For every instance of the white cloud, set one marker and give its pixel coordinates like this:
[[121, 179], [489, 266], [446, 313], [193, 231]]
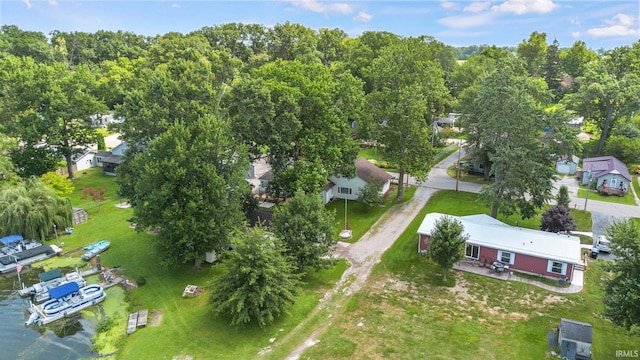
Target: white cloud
[[28, 3], [174, 5], [467, 21], [53, 2], [477, 6], [621, 19], [363, 16], [449, 5], [575, 34], [619, 25], [520, 7], [320, 7]]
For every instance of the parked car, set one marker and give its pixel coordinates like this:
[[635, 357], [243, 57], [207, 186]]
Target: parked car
[[602, 244]]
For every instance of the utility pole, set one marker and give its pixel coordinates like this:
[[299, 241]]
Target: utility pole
[[586, 198], [458, 164]]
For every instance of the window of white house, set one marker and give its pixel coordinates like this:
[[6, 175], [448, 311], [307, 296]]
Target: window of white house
[[472, 251], [506, 257], [344, 190], [557, 267]]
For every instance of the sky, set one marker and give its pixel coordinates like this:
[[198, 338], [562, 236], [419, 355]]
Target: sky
[[599, 23]]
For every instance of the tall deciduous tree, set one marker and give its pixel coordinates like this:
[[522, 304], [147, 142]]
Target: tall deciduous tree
[[575, 59], [607, 92], [408, 89], [505, 122], [260, 283], [49, 103], [190, 184], [297, 114], [534, 53], [446, 246], [622, 286], [305, 225]]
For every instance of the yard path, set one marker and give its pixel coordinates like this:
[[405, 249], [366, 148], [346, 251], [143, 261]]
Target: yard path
[[365, 253]]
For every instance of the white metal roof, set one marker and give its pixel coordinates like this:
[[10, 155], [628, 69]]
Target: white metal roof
[[498, 235]]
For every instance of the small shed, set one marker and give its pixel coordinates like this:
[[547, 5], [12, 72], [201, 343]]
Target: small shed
[[574, 339], [80, 215], [567, 165]]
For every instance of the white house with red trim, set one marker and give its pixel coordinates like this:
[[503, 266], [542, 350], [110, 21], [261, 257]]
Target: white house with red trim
[[340, 187], [526, 250]]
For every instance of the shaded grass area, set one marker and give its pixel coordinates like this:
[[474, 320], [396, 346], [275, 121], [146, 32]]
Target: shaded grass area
[[468, 177], [185, 326], [405, 312], [361, 217], [628, 199]]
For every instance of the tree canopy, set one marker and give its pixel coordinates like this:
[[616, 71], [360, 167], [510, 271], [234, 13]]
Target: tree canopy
[[259, 284], [306, 228], [190, 185], [622, 285], [446, 246]]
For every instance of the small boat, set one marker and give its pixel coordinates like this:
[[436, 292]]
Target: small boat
[[16, 250], [48, 280], [66, 300], [95, 249]]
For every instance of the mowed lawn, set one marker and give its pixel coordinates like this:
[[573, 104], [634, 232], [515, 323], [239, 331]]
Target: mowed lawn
[[406, 312], [179, 326]]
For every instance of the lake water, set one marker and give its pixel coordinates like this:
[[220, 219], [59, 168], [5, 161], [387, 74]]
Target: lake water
[[63, 339]]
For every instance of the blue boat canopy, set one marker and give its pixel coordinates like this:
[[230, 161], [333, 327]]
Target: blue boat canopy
[[11, 239], [64, 290], [50, 275]]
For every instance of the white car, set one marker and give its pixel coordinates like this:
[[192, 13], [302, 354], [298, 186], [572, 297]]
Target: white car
[[603, 244]]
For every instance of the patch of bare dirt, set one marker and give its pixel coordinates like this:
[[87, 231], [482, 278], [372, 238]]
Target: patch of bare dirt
[[155, 317]]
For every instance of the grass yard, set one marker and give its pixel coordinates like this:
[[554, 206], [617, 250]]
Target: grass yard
[[360, 217], [406, 312], [178, 326], [594, 195]]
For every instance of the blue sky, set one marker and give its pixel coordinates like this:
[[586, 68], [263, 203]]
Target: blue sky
[[600, 24]]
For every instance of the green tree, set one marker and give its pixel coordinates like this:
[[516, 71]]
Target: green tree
[[563, 196], [553, 70], [190, 184], [49, 102], [575, 59], [331, 45], [369, 195], [299, 116], [31, 208], [259, 284], [61, 185], [291, 41], [534, 53], [607, 93], [8, 175], [306, 228], [446, 246], [622, 287], [505, 135], [408, 89], [20, 43], [101, 144]]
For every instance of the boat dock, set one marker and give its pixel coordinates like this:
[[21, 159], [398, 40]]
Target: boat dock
[[136, 320]]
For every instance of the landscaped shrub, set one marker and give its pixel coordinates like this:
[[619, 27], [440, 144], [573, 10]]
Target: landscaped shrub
[[141, 280]]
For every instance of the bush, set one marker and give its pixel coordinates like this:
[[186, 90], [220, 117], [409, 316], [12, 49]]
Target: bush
[[141, 280], [105, 325]]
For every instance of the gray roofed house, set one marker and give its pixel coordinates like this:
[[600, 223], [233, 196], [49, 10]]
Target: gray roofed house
[[608, 172], [574, 339], [340, 187]]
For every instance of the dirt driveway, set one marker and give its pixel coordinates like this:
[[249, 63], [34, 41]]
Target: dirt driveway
[[365, 253]]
